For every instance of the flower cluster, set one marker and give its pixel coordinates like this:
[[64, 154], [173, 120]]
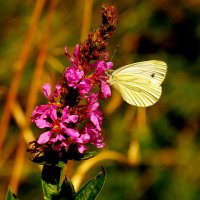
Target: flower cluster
[[72, 116], [62, 119]]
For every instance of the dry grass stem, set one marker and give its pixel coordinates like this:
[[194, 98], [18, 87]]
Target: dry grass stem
[[87, 165], [87, 15], [20, 65], [14, 183]]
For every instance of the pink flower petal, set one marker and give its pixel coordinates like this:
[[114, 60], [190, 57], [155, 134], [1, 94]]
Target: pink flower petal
[[95, 121], [72, 119], [84, 87], [53, 114], [95, 135], [85, 137], [57, 91], [102, 66], [44, 137], [81, 148], [76, 51], [47, 90], [65, 113], [72, 133], [73, 76], [105, 90], [42, 123], [67, 118], [68, 56], [100, 145], [58, 137]]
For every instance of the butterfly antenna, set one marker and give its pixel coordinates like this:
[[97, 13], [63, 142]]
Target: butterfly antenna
[[114, 52]]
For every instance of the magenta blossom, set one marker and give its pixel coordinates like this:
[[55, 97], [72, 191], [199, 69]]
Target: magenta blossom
[[94, 134], [73, 75], [105, 91], [66, 122], [100, 74], [91, 135], [83, 140], [72, 119], [84, 87], [93, 111], [42, 111], [101, 67], [57, 128]]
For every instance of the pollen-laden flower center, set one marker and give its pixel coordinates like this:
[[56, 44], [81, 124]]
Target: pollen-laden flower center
[[56, 127]]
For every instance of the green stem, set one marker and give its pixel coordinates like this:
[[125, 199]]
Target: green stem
[[52, 174]]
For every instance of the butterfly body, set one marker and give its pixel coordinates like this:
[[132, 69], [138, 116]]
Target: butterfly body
[[140, 83]]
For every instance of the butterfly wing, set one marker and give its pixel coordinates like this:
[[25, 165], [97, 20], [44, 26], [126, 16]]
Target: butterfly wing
[[139, 83]]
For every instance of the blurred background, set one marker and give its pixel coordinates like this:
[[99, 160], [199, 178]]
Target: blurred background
[[151, 153]]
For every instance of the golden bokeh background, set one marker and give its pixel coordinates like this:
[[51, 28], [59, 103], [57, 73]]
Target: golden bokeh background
[[151, 153]]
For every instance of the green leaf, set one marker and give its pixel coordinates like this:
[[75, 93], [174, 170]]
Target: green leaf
[[10, 195], [89, 155], [92, 188], [66, 191], [49, 190], [61, 164], [53, 186]]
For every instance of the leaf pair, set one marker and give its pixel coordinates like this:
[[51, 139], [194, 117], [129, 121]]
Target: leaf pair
[[66, 191]]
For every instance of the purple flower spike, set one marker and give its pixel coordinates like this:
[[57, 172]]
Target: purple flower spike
[[72, 120]]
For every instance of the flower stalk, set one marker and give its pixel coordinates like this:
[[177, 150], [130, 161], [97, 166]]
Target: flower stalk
[[71, 120], [72, 117]]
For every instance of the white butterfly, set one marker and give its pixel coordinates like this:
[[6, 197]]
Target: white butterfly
[[140, 83]]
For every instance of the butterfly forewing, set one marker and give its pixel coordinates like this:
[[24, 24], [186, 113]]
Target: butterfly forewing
[[152, 70]]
